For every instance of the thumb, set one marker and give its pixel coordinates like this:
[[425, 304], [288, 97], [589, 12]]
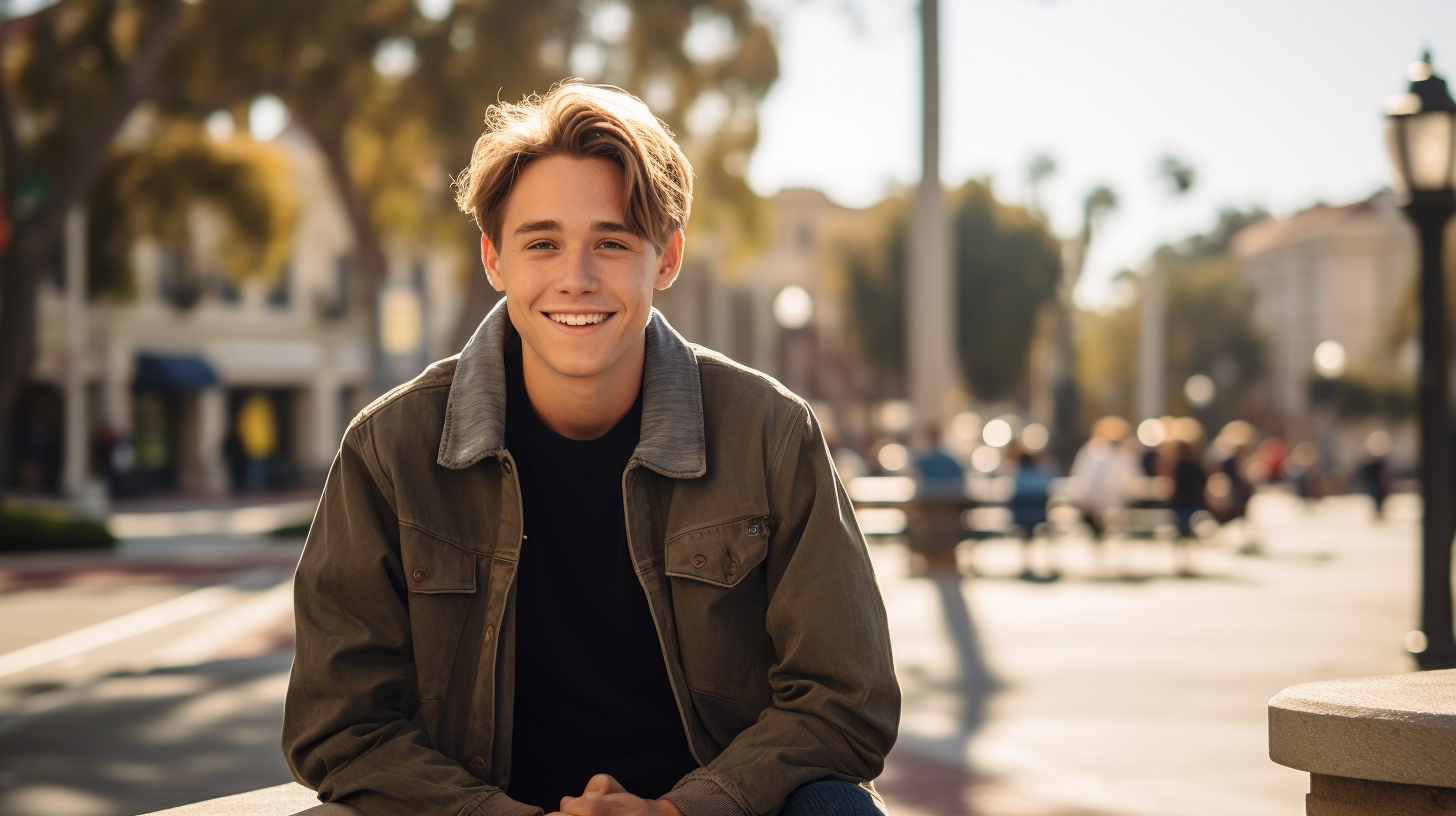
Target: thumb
[[601, 785]]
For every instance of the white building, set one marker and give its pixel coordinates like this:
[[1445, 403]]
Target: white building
[[199, 387], [1336, 273]]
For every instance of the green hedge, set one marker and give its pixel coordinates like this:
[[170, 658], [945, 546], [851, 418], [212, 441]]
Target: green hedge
[[30, 530]]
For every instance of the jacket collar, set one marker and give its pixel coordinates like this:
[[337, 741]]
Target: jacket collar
[[671, 441]]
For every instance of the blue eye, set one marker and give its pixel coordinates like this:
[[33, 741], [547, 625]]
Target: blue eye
[[541, 245], [614, 244]]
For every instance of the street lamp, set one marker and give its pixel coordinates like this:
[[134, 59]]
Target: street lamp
[[793, 309], [1421, 132]]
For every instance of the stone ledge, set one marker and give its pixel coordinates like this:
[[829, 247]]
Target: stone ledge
[[281, 800], [1396, 728]]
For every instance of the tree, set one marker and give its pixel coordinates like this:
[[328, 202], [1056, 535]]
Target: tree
[[395, 99], [82, 67], [155, 186], [392, 97], [1006, 267]]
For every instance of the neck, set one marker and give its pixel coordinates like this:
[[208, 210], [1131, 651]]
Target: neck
[[583, 407]]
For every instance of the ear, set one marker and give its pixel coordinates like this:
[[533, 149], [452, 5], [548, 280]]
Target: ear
[[490, 259], [669, 263]]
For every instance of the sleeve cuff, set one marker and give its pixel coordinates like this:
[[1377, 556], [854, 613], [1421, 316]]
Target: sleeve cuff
[[702, 797]]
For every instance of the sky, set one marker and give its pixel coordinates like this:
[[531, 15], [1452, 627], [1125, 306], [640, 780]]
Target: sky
[[1275, 103]]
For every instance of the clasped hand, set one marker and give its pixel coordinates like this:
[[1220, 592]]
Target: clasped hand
[[605, 796]]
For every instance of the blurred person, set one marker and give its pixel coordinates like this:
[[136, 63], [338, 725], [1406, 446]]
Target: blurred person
[[1190, 484], [1103, 474], [1302, 466], [1374, 473], [1272, 453], [1229, 487], [1028, 506], [540, 575], [1232, 488], [939, 474]]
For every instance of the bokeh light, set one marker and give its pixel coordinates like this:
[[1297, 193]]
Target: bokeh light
[[997, 433]]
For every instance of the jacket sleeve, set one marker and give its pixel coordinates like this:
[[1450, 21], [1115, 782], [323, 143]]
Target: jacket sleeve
[[836, 703], [348, 729]]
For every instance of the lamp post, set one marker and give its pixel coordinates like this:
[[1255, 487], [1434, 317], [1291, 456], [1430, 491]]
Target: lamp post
[[1421, 132], [793, 309]]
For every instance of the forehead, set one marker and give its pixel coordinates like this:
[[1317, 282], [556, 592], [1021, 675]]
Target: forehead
[[566, 189]]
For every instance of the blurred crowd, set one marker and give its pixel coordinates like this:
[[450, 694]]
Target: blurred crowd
[[1165, 478]]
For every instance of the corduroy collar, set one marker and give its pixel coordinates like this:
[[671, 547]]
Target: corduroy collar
[[671, 440]]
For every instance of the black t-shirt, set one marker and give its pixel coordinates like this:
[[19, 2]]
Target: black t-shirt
[[592, 694]]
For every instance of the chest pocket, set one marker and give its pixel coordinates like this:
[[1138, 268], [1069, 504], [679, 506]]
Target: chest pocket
[[719, 598], [433, 565]]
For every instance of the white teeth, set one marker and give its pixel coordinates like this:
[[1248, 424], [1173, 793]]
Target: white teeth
[[577, 319]]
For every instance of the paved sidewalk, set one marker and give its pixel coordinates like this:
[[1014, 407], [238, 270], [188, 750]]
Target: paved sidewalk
[[1118, 690], [1123, 690]]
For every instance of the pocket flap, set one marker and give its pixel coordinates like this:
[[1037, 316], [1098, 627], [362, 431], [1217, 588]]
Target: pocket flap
[[433, 565], [721, 554]]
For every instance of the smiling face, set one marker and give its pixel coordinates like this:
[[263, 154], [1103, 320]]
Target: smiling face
[[578, 283]]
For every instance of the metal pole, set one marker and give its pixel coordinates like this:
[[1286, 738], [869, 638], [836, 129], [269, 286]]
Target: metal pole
[[1430, 212]]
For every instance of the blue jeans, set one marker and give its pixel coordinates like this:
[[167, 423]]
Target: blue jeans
[[829, 797]]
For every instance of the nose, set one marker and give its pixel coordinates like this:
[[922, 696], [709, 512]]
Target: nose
[[579, 275]]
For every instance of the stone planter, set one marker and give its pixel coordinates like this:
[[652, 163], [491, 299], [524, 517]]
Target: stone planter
[[1374, 745]]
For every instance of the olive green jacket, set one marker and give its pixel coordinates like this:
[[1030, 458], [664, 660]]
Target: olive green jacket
[[744, 540]]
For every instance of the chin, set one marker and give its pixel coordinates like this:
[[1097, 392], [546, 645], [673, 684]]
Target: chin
[[578, 365]]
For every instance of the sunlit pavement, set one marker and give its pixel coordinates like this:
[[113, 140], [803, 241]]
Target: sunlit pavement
[[1118, 689], [1122, 689]]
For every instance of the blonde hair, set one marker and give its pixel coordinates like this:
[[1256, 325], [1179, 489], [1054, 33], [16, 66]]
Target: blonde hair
[[582, 121]]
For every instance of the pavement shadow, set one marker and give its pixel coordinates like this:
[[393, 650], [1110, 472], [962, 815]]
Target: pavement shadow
[[975, 681], [930, 774], [138, 742]]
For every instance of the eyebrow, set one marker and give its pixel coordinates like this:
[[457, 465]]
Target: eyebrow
[[612, 226], [551, 225], [538, 226]]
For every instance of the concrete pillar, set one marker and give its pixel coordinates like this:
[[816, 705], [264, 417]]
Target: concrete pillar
[[75, 470], [1152, 345], [118, 366], [211, 434], [930, 296], [326, 407]]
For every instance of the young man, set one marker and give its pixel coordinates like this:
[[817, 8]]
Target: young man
[[586, 567]]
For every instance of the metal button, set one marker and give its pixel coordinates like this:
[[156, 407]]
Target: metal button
[[419, 575], [699, 561], [506, 466], [489, 632], [477, 764], [753, 529], [732, 567]]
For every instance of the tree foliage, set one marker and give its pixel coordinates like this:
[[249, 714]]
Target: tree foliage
[[873, 268], [157, 188], [1006, 265], [393, 98]]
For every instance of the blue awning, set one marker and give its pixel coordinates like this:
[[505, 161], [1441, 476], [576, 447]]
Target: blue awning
[[173, 372]]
